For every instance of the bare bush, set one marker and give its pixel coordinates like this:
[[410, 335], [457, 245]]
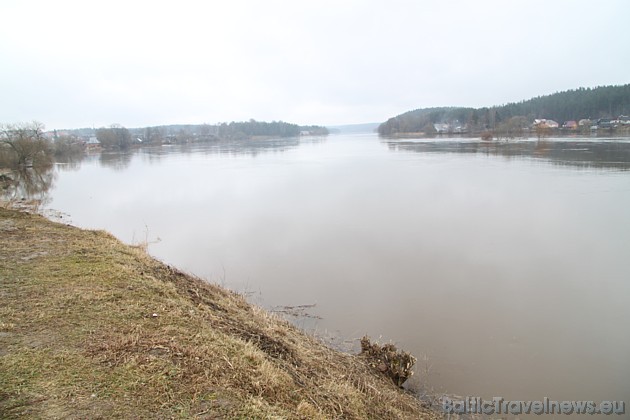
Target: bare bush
[[24, 145], [393, 363]]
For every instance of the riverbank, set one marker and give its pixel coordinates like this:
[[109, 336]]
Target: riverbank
[[93, 328]]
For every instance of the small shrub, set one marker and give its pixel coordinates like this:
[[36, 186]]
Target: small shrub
[[486, 135], [387, 359]]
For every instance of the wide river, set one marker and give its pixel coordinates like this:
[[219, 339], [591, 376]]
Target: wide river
[[504, 267]]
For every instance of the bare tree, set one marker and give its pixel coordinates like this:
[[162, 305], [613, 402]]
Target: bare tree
[[512, 128], [24, 145], [116, 136]]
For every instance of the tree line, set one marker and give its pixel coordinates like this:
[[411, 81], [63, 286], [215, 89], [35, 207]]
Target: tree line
[[28, 145], [120, 137], [583, 103]]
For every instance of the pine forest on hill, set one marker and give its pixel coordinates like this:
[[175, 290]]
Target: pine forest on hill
[[605, 107]]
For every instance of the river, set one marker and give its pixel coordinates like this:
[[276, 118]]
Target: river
[[504, 267]]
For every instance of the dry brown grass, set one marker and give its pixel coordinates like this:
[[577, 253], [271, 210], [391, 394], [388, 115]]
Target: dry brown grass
[[93, 328]]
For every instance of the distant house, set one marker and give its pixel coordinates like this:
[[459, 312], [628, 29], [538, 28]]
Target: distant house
[[604, 123], [442, 128], [585, 122], [460, 130], [570, 125], [546, 123], [92, 143], [624, 119]]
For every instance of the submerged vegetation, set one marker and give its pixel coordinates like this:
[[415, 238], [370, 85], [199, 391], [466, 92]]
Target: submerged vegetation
[[28, 144], [24, 145], [93, 328], [26, 162]]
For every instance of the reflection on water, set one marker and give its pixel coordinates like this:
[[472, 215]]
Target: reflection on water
[[236, 147], [120, 160], [33, 183], [115, 161], [510, 275], [27, 187], [586, 153]]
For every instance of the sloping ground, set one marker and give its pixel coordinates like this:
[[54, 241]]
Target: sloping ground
[[93, 328]]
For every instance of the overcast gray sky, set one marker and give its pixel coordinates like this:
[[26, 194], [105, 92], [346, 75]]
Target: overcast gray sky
[[73, 64]]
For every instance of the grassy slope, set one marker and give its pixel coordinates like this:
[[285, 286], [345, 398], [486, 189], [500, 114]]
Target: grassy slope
[[93, 328]]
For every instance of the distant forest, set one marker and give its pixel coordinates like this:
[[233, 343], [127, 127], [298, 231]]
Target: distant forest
[[607, 102], [116, 136]]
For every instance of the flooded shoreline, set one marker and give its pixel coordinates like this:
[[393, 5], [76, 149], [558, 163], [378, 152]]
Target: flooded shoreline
[[502, 267]]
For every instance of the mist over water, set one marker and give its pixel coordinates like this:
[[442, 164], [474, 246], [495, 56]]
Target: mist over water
[[507, 264]]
